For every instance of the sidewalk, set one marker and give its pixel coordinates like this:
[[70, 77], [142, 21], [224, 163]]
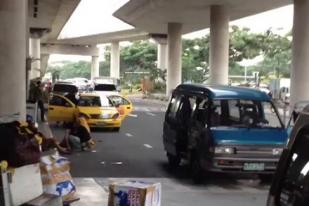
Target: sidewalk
[[94, 191]]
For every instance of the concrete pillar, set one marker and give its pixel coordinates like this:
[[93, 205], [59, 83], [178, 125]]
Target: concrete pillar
[[44, 63], [115, 60], [35, 53], [300, 50], [95, 67], [174, 57], [219, 45], [162, 56], [13, 17]]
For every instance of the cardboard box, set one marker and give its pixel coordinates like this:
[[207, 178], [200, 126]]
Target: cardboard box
[[134, 193], [26, 184]]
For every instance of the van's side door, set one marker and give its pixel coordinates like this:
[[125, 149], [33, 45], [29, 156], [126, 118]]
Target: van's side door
[[171, 125]]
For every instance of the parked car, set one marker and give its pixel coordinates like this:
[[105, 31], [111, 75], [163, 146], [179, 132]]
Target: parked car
[[106, 89], [223, 129], [82, 84], [99, 110], [108, 80], [290, 186], [64, 88]]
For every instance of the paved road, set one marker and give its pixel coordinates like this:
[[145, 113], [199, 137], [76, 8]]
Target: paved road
[[137, 152]]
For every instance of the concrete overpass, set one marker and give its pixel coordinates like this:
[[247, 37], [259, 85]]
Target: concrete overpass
[[86, 45], [46, 18], [169, 19]]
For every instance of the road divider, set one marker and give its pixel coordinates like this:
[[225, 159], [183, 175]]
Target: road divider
[[117, 163], [148, 146], [151, 114]]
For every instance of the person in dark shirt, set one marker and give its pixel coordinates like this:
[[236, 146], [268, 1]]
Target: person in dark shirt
[[73, 97], [39, 98]]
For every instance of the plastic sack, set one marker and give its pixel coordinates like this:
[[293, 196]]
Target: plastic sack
[[18, 145], [56, 177]]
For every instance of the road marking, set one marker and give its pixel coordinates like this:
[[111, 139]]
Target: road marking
[[94, 151], [132, 115], [147, 109], [151, 114], [148, 146], [116, 163], [103, 163], [129, 135]]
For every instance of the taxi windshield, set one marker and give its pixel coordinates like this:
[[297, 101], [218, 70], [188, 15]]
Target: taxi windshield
[[94, 101], [244, 113]]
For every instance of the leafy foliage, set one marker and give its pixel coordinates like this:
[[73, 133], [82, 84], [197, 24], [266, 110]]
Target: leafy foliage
[[139, 59]]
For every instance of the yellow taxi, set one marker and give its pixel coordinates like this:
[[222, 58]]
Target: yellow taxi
[[123, 105], [99, 110]]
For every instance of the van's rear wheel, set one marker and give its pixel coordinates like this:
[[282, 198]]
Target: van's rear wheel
[[173, 161], [116, 129], [197, 172], [266, 178]]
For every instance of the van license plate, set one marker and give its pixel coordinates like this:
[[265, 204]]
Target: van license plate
[[254, 166]]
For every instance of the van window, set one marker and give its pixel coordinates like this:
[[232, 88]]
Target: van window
[[295, 185], [234, 110], [244, 113], [174, 106], [270, 115], [216, 113], [200, 110]]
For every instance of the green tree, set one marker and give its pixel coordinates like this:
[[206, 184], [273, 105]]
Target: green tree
[[277, 55], [195, 57], [72, 69]]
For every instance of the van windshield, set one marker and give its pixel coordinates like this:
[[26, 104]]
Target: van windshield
[[244, 113]]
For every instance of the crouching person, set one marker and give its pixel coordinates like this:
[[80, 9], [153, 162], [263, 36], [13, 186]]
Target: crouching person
[[77, 136]]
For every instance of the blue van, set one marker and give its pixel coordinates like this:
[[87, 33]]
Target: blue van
[[223, 129]]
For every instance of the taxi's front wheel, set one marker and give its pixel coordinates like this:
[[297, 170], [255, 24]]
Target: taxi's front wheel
[[197, 172], [116, 129]]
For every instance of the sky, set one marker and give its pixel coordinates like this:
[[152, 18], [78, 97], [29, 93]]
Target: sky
[[95, 16]]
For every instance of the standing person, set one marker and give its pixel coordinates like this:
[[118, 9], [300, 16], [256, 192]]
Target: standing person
[[38, 97], [73, 97]]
